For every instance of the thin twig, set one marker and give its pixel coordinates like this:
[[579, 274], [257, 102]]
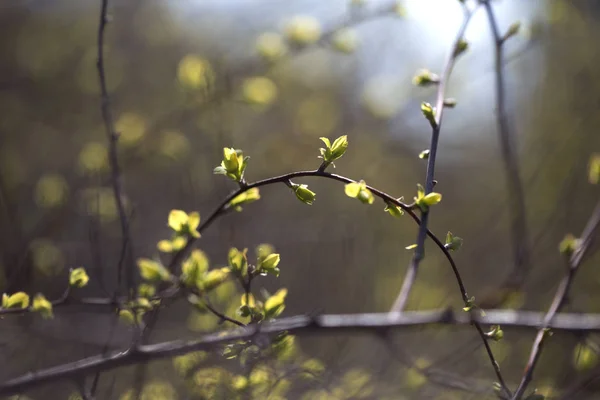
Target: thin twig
[[559, 299], [113, 137], [411, 273], [516, 193]]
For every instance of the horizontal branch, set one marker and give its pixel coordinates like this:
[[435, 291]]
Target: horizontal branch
[[324, 324]]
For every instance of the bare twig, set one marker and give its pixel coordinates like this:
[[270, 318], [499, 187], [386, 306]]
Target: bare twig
[[113, 137], [324, 324], [559, 299], [411, 273], [518, 224]]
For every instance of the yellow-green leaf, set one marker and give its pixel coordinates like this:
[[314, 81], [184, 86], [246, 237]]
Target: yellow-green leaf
[[214, 278], [275, 304], [249, 196], [15, 300], [152, 270], [43, 306], [304, 194], [177, 220], [271, 261], [78, 278]]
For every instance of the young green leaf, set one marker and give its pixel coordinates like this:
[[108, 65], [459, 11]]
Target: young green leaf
[[461, 47], [43, 306], [249, 196], [304, 194], [569, 245], [393, 209], [425, 78], [153, 271], [15, 300], [359, 190], [78, 278], [214, 278], [275, 304], [238, 261], [453, 243], [429, 114]]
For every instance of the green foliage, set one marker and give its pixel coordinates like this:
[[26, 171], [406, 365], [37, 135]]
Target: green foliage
[[334, 151], [275, 304], [461, 47], [42, 306], [424, 201], [78, 278], [303, 193], [213, 278], [15, 300], [429, 113], [238, 261], [153, 271], [359, 190], [453, 243], [249, 196], [184, 224], [193, 267], [393, 209], [568, 245], [233, 165], [425, 78], [496, 333]]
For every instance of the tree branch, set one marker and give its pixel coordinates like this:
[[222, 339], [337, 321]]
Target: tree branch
[[299, 325], [113, 137], [411, 273], [559, 299]]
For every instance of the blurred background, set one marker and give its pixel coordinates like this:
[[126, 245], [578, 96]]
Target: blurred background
[[189, 77]]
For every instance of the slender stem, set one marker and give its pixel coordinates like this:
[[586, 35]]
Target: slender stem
[[113, 138], [411, 273], [518, 223]]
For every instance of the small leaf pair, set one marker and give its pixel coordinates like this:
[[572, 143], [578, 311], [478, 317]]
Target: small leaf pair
[[424, 201], [233, 165], [359, 190], [334, 151]]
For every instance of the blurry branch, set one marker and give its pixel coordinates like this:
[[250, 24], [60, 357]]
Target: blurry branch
[[411, 273], [518, 220], [113, 137], [376, 323], [560, 297]]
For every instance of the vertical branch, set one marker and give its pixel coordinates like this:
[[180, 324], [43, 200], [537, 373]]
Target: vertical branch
[[559, 299], [419, 254], [518, 223], [113, 138]]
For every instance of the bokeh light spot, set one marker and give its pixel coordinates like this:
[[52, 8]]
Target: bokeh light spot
[[259, 90], [93, 157], [195, 72], [318, 115], [131, 128], [51, 190], [47, 257]]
